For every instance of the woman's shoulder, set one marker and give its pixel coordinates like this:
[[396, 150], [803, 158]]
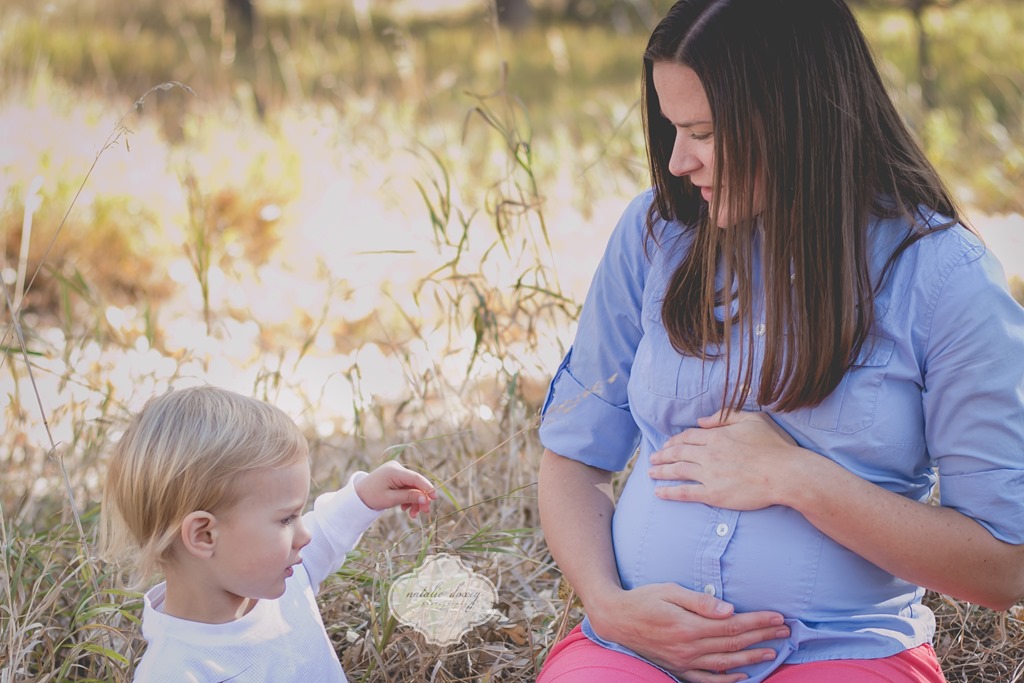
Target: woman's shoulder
[[937, 245], [641, 231], [946, 238], [958, 254], [633, 222], [945, 276]]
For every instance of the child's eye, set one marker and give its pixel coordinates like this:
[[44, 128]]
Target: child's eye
[[289, 519]]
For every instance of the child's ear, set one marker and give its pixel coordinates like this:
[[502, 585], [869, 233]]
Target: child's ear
[[199, 533]]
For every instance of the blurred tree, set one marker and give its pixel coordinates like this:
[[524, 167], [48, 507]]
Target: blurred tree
[[243, 42], [514, 14], [620, 12], [925, 68], [624, 15], [240, 19]]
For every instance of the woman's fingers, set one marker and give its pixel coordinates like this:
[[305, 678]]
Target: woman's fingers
[[695, 436], [709, 677], [683, 470], [689, 631]]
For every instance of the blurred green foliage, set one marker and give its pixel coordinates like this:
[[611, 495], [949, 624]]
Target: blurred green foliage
[[975, 132], [561, 69]]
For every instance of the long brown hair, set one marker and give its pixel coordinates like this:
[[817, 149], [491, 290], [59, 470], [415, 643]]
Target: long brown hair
[[800, 112]]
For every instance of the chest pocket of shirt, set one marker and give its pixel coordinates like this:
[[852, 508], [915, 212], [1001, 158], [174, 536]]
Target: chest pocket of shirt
[[664, 371], [851, 407]]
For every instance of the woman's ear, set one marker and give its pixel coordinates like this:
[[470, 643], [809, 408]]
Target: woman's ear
[[199, 533]]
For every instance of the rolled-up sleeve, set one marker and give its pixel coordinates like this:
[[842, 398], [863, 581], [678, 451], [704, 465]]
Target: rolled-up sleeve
[[586, 413], [974, 393]]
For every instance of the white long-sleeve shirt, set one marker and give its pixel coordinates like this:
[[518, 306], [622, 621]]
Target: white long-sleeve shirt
[[278, 640]]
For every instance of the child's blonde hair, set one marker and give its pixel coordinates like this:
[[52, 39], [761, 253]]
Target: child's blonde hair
[[183, 452]]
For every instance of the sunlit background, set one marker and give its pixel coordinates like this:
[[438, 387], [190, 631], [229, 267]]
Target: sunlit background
[[381, 215]]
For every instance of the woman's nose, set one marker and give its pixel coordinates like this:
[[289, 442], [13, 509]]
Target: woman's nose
[[683, 161]]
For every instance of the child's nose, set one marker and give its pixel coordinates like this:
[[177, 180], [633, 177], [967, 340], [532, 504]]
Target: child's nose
[[302, 536]]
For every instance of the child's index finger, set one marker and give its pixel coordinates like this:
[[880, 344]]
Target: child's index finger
[[415, 480]]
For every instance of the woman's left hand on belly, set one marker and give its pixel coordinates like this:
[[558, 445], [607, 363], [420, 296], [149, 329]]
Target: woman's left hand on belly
[[743, 461]]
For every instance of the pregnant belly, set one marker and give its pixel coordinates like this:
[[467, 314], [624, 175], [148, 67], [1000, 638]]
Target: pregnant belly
[[770, 559], [763, 559]]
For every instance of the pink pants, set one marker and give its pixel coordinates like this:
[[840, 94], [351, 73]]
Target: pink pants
[[577, 659]]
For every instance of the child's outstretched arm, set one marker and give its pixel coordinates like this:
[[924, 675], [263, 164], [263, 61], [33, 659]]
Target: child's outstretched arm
[[392, 484], [339, 518]]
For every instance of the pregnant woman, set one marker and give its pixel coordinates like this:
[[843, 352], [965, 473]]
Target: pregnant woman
[[796, 335]]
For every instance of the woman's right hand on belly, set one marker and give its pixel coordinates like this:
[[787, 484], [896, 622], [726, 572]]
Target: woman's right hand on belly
[[690, 634]]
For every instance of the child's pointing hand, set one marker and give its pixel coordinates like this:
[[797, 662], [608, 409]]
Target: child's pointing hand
[[391, 485]]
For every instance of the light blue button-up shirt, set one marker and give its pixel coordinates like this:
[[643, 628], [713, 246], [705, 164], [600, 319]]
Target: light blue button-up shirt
[[938, 387]]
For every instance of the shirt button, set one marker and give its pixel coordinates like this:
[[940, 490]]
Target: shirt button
[[722, 529], [759, 330], [709, 589]]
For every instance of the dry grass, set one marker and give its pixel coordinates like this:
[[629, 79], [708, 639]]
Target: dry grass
[[376, 254], [977, 645]]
